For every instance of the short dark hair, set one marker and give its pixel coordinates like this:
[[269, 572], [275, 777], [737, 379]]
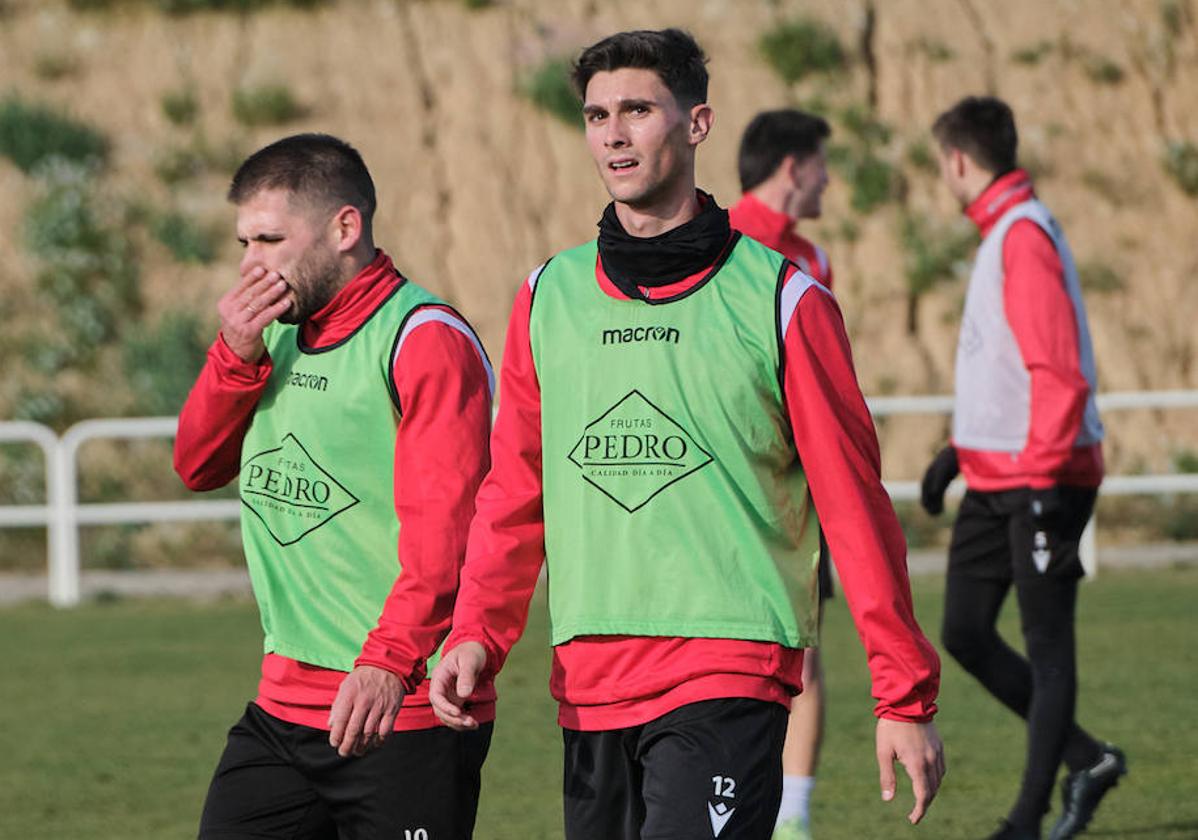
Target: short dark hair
[[771, 136], [672, 54], [317, 168], [982, 127]]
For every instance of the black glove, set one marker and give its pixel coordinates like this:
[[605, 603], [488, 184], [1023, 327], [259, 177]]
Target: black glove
[[939, 475]]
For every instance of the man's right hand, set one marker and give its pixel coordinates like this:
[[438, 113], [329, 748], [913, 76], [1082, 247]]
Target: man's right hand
[[453, 681], [939, 475], [258, 299]]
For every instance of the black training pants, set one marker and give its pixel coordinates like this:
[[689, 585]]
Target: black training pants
[[997, 543]]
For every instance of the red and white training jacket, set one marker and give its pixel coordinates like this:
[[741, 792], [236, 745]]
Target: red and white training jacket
[[444, 382], [757, 220], [1025, 414], [612, 682]]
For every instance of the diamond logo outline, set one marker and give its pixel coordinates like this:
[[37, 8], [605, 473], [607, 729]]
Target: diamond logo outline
[[708, 458], [242, 493]]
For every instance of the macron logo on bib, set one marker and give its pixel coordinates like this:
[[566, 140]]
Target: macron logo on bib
[[636, 335]]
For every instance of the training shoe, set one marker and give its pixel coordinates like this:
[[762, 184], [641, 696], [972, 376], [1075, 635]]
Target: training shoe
[[1006, 831], [794, 829], [1082, 791]]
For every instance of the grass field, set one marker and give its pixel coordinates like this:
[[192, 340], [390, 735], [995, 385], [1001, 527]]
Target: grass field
[[115, 714]]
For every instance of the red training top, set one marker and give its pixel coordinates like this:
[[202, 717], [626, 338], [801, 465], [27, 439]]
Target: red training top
[[1041, 316], [443, 380], [753, 217], [612, 682]]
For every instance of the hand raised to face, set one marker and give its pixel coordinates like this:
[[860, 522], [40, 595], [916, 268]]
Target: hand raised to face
[[259, 298]]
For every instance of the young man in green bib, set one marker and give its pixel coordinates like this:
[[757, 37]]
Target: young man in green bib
[[677, 403], [353, 407]]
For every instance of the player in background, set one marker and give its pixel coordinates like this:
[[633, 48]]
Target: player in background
[[1027, 436], [353, 407], [783, 175], [674, 395]]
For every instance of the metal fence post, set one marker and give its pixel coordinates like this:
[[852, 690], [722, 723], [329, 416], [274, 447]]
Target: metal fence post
[[17, 516], [64, 530], [1088, 548]]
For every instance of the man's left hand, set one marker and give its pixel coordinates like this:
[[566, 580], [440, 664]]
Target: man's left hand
[[918, 748], [939, 475], [364, 712]]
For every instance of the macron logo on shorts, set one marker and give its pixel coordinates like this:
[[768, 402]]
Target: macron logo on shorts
[[719, 814]]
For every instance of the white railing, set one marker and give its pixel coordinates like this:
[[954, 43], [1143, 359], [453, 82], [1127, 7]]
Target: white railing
[[19, 516], [63, 515], [64, 587], [1112, 485]]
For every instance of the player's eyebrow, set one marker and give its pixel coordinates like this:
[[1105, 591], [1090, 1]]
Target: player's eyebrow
[[261, 237], [630, 104], [623, 105]]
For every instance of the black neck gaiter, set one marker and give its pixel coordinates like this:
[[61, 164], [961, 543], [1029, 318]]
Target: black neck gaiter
[[632, 261]]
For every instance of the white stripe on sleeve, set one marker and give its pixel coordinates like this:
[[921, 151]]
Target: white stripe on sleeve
[[822, 257], [432, 315], [796, 286], [535, 276]]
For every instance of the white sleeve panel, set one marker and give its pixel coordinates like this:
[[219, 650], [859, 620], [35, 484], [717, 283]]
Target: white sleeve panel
[[796, 286], [535, 275], [821, 257], [433, 315]]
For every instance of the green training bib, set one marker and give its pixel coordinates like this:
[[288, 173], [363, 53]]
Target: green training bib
[[317, 488], [674, 501]]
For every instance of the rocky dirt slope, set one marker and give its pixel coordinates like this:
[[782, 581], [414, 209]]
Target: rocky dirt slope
[[477, 186]]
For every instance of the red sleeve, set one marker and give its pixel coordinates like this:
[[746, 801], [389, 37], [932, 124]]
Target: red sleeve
[[215, 417], [838, 447], [1042, 317], [507, 537], [443, 383]]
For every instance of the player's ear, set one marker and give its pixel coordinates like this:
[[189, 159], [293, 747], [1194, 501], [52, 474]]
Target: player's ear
[[791, 166], [960, 162], [347, 228], [702, 117]]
